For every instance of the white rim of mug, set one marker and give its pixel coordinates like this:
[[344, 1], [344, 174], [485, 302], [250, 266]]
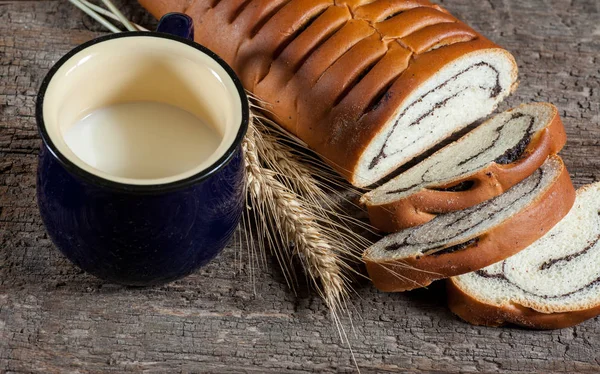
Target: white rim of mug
[[141, 188]]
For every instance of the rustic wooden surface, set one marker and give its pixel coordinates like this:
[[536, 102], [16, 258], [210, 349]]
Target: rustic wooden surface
[[55, 319]]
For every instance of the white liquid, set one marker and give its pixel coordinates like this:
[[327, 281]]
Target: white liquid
[[142, 140]]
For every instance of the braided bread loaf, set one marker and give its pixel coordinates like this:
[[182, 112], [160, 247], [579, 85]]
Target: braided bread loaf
[[367, 84]]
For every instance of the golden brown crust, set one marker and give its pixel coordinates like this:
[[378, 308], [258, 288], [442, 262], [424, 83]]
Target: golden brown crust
[[490, 182], [479, 313], [322, 65], [354, 134], [501, 242]]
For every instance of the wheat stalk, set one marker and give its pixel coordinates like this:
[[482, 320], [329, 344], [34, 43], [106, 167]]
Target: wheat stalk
[[294, 221]]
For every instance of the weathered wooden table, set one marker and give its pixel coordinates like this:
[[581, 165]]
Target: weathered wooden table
[[56, 319]]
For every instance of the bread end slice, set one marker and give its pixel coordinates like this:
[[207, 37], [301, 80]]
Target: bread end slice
[[553, 283], [479, 313]]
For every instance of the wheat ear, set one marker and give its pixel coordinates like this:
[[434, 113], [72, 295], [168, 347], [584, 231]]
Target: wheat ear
[[287, 220]]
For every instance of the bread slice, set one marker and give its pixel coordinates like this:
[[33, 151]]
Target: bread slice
[[482, 164], [553, 283], [467, 240], [367, 85]]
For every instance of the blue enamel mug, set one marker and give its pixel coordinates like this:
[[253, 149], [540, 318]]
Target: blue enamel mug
[[141, 175]]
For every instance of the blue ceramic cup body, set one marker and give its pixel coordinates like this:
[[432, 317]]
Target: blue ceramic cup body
[[141, 231]]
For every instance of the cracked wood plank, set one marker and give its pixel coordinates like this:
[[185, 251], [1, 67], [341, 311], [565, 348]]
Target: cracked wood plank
[[55, 319]]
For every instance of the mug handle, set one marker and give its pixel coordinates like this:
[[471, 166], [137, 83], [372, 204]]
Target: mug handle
[[177, 24]]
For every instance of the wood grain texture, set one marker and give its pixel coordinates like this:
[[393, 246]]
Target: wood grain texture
[[55, 319]]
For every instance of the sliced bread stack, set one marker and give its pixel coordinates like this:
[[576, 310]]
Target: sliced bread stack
[[475, 202], [497, 214]]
